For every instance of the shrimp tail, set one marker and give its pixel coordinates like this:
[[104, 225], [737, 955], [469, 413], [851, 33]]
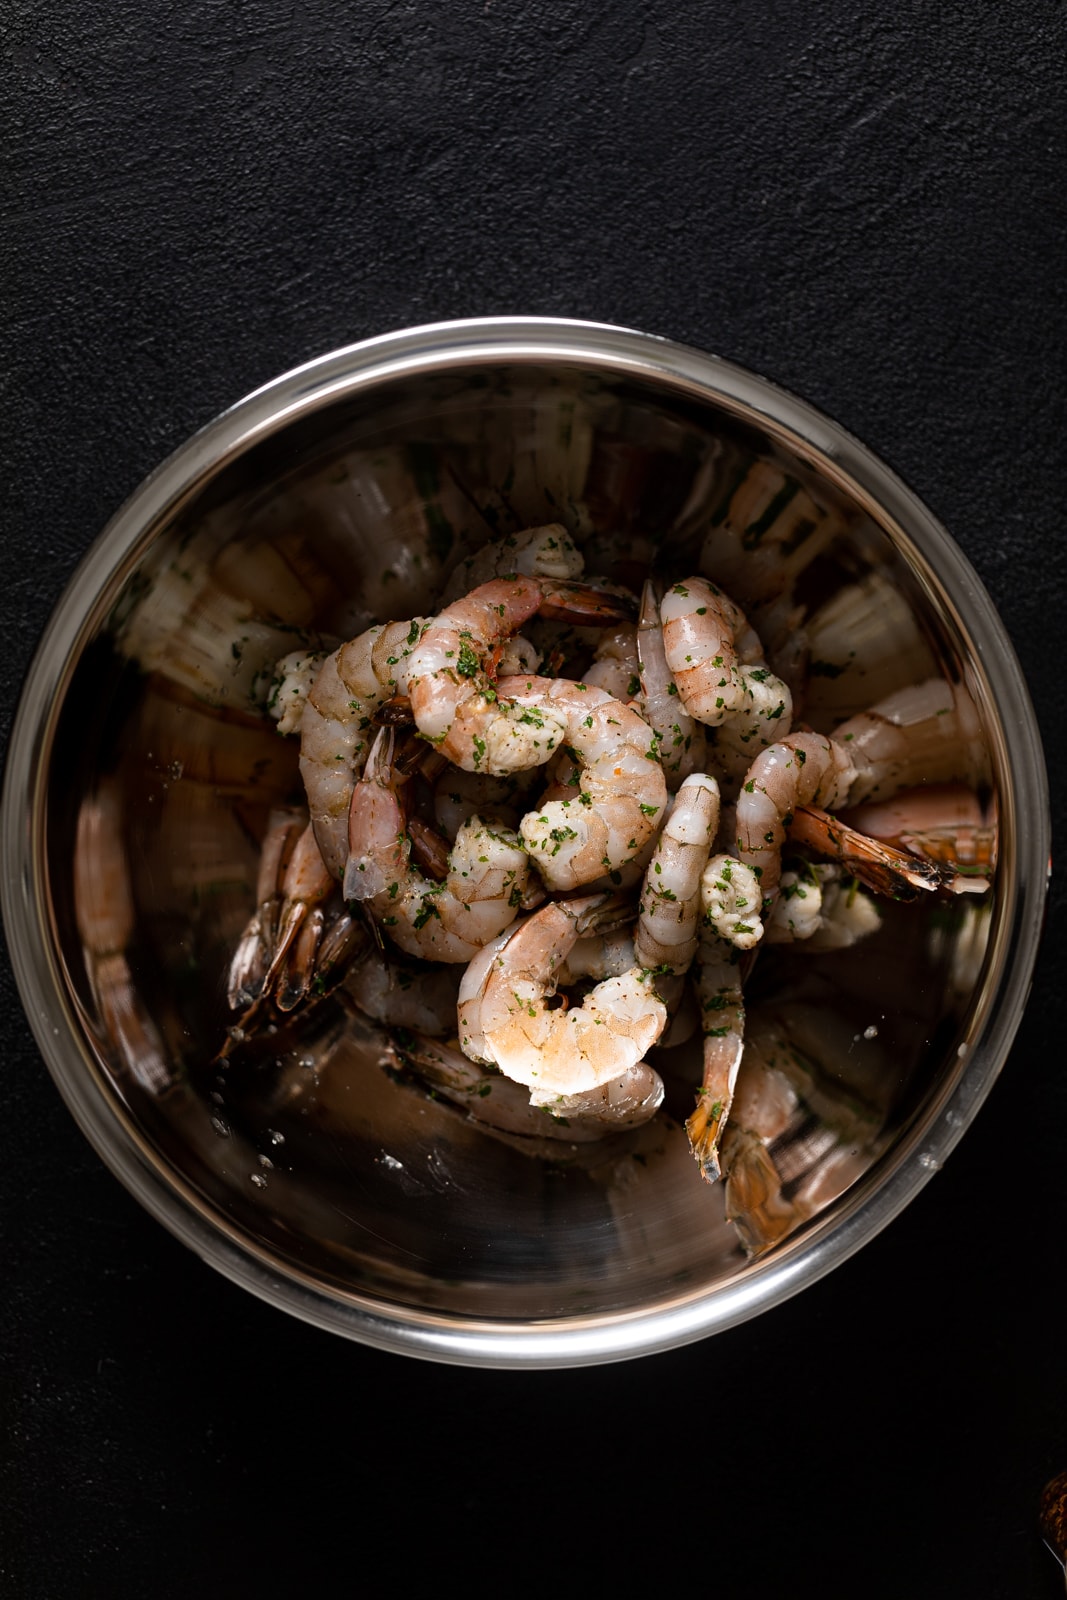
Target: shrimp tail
[[880, 866], [582, 605], [706, 1124]]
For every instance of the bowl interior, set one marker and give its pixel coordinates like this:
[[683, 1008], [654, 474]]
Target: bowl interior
[[312, 1148]]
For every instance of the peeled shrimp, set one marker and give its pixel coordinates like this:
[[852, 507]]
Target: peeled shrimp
[[622, 791], [482, 892], [336, 726], [293, 681], [682, 740], [717, 662], [615, 667], [730, 896], [929, 733], [801, 769], [665, 936], [455, 701], [505, 1018], [670, 907], [722, 1016]]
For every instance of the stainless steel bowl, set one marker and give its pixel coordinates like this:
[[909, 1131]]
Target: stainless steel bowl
[[314, 1173]]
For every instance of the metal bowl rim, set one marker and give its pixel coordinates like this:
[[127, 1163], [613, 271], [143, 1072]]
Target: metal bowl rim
[[102, 1116]]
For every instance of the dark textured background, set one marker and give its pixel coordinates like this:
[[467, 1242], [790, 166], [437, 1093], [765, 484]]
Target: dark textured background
[[865, 202]]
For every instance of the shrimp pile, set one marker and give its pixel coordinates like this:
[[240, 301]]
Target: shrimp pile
[[548, 874]]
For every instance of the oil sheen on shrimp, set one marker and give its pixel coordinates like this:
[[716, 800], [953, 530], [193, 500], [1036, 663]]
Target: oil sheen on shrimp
[[682, 740], [717, 664], [670, 907], [730, 896], [615, 667], [801, 769], [482, 892], [622, 791], [505, 1018]]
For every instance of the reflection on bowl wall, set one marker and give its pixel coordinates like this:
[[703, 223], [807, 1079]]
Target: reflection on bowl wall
[[311, 1164]]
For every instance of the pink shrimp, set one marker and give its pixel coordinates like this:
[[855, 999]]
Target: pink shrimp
[[454, 697]]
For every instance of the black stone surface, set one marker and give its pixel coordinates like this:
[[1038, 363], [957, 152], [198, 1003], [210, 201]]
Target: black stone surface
[[865, 202]]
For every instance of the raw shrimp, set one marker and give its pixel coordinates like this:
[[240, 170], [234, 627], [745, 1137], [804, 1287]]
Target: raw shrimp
[[730, 895], [248, 968], [483, 891], [615, 667], [457, 705], [670, 907], [886, 869], [505, 1018], [929, 733], [801, 769], [293, 681], [717, 662], [682, 740], [621, 788], [665, 937], [336, 727]]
